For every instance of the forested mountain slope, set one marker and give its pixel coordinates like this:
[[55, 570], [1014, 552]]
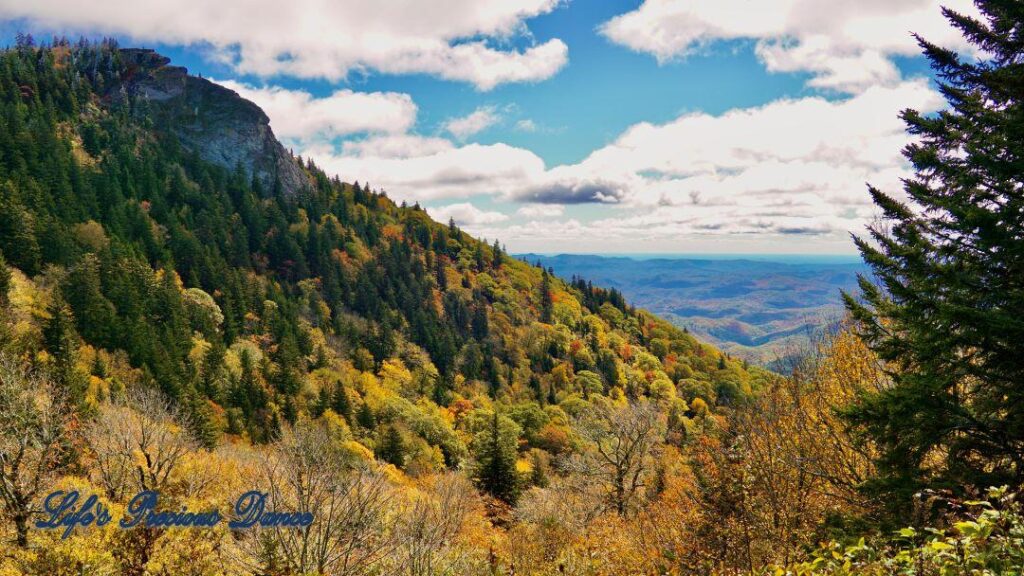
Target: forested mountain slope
[[158, 233], [189, 311]]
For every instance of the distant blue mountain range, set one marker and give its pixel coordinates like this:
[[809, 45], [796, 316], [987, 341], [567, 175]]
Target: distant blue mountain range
[[759, 307]]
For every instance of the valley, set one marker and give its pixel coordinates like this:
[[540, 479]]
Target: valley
[[763, 309]]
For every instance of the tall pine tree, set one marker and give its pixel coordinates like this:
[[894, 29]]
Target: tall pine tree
[[947, 313], [61, 343], [494, 449], [547, 301]]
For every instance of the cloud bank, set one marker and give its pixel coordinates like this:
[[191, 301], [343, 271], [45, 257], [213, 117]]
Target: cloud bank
[[790, 167], [297, 114], [325, 38], [845, 46]]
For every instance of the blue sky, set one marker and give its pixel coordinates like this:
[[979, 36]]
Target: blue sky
[[573, 126]]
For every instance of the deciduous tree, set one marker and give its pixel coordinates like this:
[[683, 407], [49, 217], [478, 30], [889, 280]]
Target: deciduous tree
[[35, 424]]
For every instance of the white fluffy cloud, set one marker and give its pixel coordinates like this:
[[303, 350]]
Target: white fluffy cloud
[[297, 114], [424, 169], [860, 133], [396, 146], [541, 210], [789, 167], [465, 214], [477, 121], [846, 46], [326, 38], [388, 155]]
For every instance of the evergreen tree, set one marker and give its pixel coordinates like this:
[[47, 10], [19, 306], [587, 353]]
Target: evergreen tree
[[322, 404], [340, 403], [442, 277], [61, 342], [547, 303], [291, 413], [950, 263], [381, 343], [95, 316], [392, 447], [365, 417], [496, 255], [609, 369], [17, 232], [247, 394], [479, 257], [479, 324], [494, 449], [202, 422], [442, 393], [210, 382]]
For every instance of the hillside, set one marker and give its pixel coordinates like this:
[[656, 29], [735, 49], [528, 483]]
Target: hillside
[[158, 235], [758, 310], [218, 360]]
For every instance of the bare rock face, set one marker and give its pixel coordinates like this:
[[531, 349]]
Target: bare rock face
[[217, 123]]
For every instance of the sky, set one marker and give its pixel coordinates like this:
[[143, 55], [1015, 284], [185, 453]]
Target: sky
[[587, 126]]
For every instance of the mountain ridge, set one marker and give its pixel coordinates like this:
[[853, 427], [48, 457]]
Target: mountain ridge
[[253, 301], [215, 121]]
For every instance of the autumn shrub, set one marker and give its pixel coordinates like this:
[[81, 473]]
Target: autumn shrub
[[987, 539]]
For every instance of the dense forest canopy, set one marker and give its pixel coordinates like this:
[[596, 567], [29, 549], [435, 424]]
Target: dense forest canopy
[[186, 266], [133, 264]]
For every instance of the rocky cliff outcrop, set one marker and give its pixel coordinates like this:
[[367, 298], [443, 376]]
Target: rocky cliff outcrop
[[221, 126]]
